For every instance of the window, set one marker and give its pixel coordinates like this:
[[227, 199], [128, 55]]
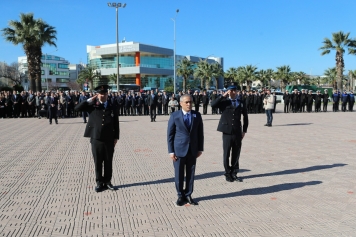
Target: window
[[62, 80], [62, 65]]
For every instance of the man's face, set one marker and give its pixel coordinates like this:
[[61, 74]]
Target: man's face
[[103, 97], [186, 103], [268, 92], [152, 92]]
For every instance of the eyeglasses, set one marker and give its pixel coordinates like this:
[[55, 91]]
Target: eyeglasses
[[188, 102]]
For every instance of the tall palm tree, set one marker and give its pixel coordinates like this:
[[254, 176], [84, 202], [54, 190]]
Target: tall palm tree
[[89, 74], [217, 73], [204, 71], [185, 70], [270, 74], [249, 74], [284, 74], [330, 78], [352, 76], [230, 76], [340, 41], [32, 34], [300, 78], [263, 76]]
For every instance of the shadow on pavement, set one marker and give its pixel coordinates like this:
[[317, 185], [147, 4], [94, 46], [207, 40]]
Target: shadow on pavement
[[293, 124], [260, 191], [294, 171], [168, 180]]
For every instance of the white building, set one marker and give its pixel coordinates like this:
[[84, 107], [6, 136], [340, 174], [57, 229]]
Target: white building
[[55, 72]]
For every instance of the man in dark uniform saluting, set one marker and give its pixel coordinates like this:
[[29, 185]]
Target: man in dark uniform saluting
[[232, 130], [103, 130]]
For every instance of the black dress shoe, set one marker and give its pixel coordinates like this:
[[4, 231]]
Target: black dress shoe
[[269, 125], [266, 124], [99, 188], [110, 186], [191, 201], [229, 178], [181, 201], [238, 179]]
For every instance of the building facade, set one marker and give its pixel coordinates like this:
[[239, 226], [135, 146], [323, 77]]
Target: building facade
[[140, 64], [55, 72]]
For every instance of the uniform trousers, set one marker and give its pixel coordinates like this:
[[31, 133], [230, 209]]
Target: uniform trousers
[[231, 144], [52, 113], [325, 106], [286, 107], [351, 106], [103, 152], [205, 108], [343, 106], [186, 164]]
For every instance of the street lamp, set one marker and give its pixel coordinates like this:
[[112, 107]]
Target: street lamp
[[174, 57], [117, 6]]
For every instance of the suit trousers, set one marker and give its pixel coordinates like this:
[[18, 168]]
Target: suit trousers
[[205, 108], [153, 112], [186, 164], [286, 107], [325, 106], [52, 113], [103, 152], [231, 144]]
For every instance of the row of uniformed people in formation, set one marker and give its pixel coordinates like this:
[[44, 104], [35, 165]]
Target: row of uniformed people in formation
[[302, 101], [28, 104]]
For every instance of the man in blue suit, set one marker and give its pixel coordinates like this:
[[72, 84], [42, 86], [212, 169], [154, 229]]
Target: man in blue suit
[[185, 138]]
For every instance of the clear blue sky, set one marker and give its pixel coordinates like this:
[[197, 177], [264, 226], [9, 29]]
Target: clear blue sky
[[265, 33]]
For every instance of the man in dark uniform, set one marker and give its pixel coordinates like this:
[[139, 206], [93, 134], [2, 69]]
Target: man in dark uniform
[[351, 101], [152, 104], [232, 131], [317, 106], [52, 110], [303, 101], [344, 101], [103, 130], [16, 103], [336, 99], [196, 101], [286, 99], [325, 100], [212, 98], [310, 99], [205, 101]]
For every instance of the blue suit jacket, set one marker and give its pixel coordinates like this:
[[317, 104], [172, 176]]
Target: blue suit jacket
[[179, 139]]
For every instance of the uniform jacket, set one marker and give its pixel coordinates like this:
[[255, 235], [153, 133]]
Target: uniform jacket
[[180, 139], [230, 120], [103, 123]]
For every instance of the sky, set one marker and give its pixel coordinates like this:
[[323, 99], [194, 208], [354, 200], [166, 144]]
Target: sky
[[264, 33]]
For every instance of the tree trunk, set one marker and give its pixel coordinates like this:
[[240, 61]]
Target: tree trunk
[[31, 66], [339, 68], [185, 84], [217, 83], [202, 83], [37, 69]]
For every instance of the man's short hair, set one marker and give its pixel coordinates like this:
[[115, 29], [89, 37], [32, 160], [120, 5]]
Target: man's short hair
[[183, 96]]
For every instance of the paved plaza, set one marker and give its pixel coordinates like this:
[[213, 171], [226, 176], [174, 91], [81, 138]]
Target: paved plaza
[[298, 180]]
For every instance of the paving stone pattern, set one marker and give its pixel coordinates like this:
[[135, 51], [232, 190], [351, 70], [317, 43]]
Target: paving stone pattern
[[299, 180]]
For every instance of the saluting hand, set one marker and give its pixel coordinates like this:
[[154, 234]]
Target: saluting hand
[[226, 93]]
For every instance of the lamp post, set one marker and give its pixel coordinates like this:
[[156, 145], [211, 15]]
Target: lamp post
[[117, 6], [174, 56]]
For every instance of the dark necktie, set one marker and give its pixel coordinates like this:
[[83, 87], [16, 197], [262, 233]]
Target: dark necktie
[[186, 120]]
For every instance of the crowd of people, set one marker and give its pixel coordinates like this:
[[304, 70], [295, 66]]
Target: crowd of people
[[38, 105]]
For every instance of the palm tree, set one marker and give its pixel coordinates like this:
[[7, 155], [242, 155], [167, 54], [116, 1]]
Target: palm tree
[[330, 78], [113, 78], [284, 74], [340, 41], [263, 76], [185, 70], [217, 72], [352, 76], [230, 76], [270, 74], [89, 74], [249, 74], [300, 78], [32, 34], [204, 71]]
